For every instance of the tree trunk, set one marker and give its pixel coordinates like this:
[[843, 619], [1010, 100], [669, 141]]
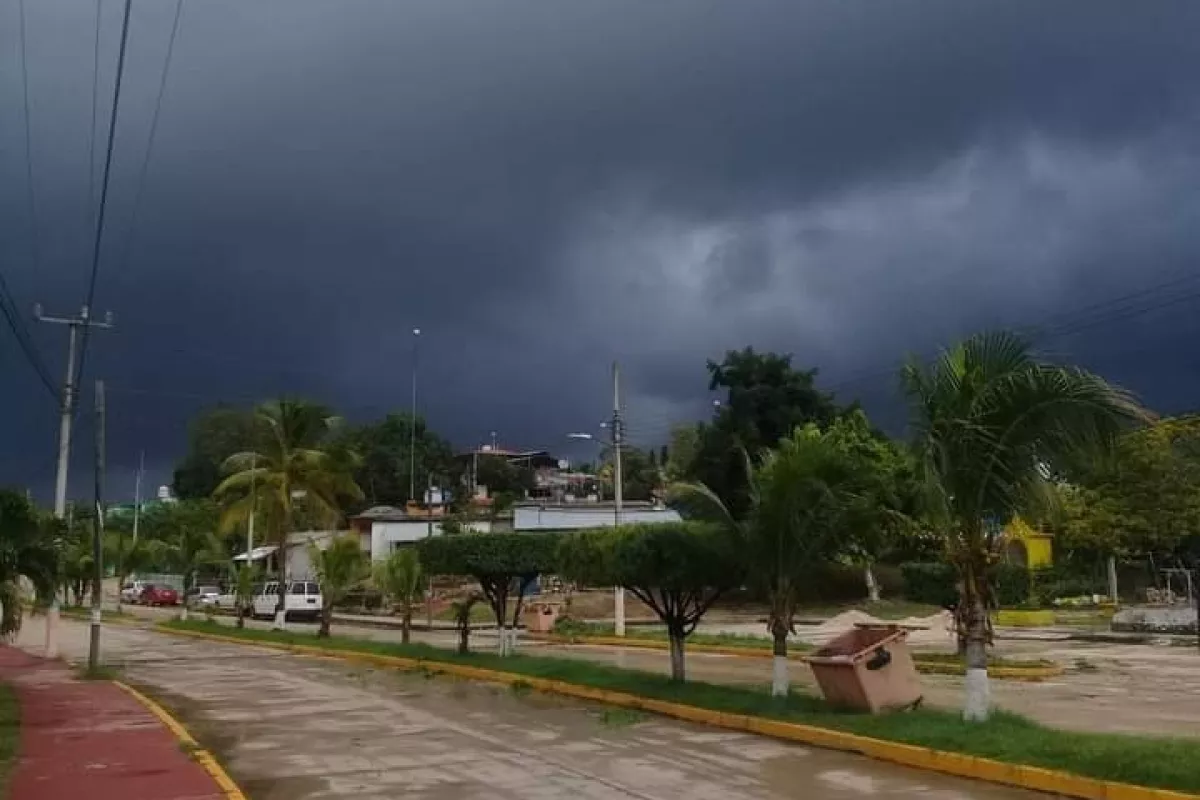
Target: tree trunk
[[280, 623], [326, 619], [241, 615], [872, 584], [678, 672], [978, 700], [1113, 594], [464, 640], [779, 664], [183, 612], [406, 625]]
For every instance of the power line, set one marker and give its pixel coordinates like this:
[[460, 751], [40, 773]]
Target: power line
[[21, 333], [32, 195], [144, 169], [92, 135], [108, 155]]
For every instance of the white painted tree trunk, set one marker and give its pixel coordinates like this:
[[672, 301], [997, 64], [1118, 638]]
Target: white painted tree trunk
[[678, 665], [50, 648], [280, 623], [978, 703], [872, 584], [183, 612], [779, 677], [502, 641]]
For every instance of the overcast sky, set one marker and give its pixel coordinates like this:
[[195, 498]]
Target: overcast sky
[[544, 187]]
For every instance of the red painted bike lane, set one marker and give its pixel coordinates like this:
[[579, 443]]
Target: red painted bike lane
[[92, 739]]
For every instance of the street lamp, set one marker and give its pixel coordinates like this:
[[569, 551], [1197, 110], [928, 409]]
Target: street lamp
[[412, 422]]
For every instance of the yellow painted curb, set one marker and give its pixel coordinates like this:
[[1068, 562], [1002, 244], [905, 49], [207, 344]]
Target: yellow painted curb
[[1028, 674], [202, 756], [958, 764]]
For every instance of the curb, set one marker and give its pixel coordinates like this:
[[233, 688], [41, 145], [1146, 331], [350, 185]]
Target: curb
[[202, 756], [964, 766], [1027, 674]]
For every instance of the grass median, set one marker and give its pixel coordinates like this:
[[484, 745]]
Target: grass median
[[1165, 763], [10, 731]]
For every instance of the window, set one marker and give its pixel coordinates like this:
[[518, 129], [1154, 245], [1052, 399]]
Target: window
[[296, 588], [312, 588]]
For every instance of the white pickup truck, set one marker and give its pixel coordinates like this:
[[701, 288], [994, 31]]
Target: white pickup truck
[[303, 600]]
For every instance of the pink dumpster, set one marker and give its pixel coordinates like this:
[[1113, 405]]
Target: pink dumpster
[[868, 669]]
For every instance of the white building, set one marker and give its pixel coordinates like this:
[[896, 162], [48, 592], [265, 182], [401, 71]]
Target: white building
[[544, 517]]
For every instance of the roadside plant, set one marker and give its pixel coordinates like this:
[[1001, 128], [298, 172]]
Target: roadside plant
[[400, 578], [340, 567]]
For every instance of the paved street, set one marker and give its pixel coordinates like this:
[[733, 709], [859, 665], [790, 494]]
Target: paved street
[[292, 727]]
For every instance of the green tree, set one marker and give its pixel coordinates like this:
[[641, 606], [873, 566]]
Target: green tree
[[28, 549], [384, 459], [678, 569], [504, 564], [991, 422], [641, 478], [680, 457], [244, 579], [213, 437], [340, 567], [767, 399], [503, 478], [399, 577], [292, 462]]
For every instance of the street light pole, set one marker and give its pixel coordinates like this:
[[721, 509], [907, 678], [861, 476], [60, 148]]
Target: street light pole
[[412, 422], [618, 493]]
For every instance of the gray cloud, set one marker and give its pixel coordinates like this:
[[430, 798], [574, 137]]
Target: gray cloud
[[544, 188]]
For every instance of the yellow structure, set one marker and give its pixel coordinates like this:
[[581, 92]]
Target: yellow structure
[[1027, 547]]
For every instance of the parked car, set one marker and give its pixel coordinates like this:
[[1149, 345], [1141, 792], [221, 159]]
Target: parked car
[[204, 596], [302, 601], [158, 596], [131, 592]]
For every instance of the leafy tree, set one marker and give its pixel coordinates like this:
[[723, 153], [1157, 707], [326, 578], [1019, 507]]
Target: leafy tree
[[680, 456], [501, 562], [28, 549], [340, 567], [384, 450], [677, 569], [461, 609], [991, 421], [399, 577], [195, 547], [766, 400], [130, 557], [503, 477], [292, 461], [640, 476], [1145, 499], [212, 438]]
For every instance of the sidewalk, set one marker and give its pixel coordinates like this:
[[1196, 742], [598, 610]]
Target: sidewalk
[[92, 739]]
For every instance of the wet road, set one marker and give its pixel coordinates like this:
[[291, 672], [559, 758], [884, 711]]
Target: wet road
[[302, 728]]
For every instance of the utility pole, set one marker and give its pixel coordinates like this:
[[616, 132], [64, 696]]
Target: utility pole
[[66, 412], [618, 492], [137, 494], [253, 508], [97, 527], [412, 422], [429, 535]]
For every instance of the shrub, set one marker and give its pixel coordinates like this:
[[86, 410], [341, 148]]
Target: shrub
[[935, 583]]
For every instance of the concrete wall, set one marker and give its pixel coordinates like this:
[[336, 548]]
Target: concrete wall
[[386, 535], [558, 518]]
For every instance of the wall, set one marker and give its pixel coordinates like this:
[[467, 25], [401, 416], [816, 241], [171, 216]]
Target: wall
[[557, 518], [386, 534]]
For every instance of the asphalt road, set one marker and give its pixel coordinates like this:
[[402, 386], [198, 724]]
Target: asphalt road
[[301, 728]]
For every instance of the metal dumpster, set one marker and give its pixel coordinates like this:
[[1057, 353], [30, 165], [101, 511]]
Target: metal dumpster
[[868, 669]]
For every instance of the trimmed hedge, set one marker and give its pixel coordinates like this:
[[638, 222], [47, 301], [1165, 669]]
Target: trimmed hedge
[[935, 583]]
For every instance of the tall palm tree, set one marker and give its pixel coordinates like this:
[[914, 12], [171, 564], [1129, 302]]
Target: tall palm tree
[[400, 578], [801, 497], [340, 567], [28, 549], [991, 423], [291, 462]]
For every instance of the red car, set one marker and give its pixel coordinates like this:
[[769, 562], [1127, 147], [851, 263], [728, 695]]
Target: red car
[[158, 596]]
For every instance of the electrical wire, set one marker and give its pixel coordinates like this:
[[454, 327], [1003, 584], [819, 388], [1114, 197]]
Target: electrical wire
[[21, 333], [144, 168], [92, 135], [32, 195], [104, 182]]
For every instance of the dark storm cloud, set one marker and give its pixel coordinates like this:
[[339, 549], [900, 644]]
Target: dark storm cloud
[[545, 187]]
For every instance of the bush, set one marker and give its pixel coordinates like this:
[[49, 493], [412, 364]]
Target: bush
[[935, 583]]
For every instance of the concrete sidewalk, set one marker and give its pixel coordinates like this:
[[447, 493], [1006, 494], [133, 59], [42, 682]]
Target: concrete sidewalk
[[93, 739]]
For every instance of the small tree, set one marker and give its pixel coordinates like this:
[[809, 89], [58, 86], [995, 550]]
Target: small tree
[[461, 609], [678, 569], [243, 590], [500, 562], [399, 577], [27, 550], [339, 567]]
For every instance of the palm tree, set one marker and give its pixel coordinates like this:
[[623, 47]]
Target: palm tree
[[194, 549], [28, 549], [461, 609], [340, 567], [800, 498], [291, 460], [243, 589], [991, 423], [399, 577]]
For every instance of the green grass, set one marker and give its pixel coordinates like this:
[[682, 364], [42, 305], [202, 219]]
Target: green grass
[[102, 672], [1158, 762], [751, 642], [10, 730]]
